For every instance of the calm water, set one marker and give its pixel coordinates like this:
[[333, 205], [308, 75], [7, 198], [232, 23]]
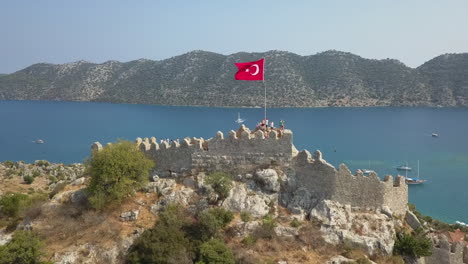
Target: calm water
[[386, 137]]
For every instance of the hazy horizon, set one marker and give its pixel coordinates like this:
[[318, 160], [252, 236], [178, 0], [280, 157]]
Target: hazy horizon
[[62, 32]]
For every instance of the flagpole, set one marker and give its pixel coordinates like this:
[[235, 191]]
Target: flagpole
[[264, 86]]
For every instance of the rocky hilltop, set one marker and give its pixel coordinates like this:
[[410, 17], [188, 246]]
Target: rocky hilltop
[[286, 207], [200, 78]]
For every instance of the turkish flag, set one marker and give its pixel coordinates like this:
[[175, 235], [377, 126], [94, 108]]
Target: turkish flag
[[250, 71]]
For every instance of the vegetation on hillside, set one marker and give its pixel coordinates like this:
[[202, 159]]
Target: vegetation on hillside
[[24, 248], [221, 184], [330, 78], [117, 171], [14, 207], [415, 244], [177, 238]]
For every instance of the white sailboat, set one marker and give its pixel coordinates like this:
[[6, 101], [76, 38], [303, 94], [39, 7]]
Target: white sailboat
[[367, 171], [404, 167], [416, 180], [239, 120]]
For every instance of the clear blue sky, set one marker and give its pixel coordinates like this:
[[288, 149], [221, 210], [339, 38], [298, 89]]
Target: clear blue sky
[[412, 31]]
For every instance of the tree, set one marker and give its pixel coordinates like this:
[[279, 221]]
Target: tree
[[215, 251], [221, 184], [166, 242], [116, 172], [24, 248]]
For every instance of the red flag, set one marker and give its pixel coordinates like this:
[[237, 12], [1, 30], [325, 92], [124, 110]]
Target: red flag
[[250, 71]]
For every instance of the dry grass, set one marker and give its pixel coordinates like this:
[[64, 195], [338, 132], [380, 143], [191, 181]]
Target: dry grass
[[308, 247], [66, 225], [16, 184]]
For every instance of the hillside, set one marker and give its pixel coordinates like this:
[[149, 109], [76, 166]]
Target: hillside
[[200, 78]]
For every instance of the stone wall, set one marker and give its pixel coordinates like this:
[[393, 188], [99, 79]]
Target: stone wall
[[323, 181], [444, 252], [243, 152]]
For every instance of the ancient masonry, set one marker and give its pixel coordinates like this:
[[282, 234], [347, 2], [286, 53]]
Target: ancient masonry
[[244, 152], [444, 252]]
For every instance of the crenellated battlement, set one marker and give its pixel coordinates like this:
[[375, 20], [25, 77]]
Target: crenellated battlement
[[445, 252], [244, 151], [325, 181]]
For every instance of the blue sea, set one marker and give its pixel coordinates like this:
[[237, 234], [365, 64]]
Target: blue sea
[[382, 137]]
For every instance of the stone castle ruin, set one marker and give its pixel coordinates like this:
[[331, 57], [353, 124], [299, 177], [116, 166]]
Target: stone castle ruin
[[308, 179]]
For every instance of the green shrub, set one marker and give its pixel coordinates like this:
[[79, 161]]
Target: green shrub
[[10, 173], [61, 176], [215, 251], [222, 215], [245, 216], [28, 179], [41, 163], [166, 242], [9, 163], [209, 223], [267, 229], [36, 174], [116, 172], [249, 240], [12, 204], [413, 245], [221, 184], [53, 179], [24, 248], [295, 223]]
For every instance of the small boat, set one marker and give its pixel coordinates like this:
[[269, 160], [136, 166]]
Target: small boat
[[415, 180], [403, 167], [367, 171], [39, 141], [239, 120], [435, 135]]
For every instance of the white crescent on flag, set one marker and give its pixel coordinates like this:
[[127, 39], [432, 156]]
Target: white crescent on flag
[[257, 69]]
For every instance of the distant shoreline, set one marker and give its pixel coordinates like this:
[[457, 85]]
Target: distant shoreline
[[227, 107]]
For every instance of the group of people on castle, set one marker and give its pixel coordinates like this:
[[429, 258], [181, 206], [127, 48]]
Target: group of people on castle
[[267, 127]]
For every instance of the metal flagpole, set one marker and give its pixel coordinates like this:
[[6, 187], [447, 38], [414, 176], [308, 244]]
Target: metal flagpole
[[264, 86]]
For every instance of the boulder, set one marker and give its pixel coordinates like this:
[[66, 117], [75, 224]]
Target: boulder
[[268, 179], [5, 237], [162, 186], [189, 182], [412, 220], [78, 181], [371, 231], [182, 197], [79, 197], [242, 199], [340, 260], [155, 177], [26, 225], [243, 229], [387, 211], [300, 202], [286, 231], [131, 215]]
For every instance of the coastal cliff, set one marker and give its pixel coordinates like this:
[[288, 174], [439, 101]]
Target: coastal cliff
[[200, 78]]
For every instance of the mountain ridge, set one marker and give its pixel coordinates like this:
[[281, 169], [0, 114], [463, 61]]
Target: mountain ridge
[[201, 78]]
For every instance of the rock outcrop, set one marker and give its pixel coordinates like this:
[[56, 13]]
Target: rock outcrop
[[365, 228]]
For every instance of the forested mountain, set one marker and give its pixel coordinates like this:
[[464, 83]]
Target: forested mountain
[[200, 78]]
